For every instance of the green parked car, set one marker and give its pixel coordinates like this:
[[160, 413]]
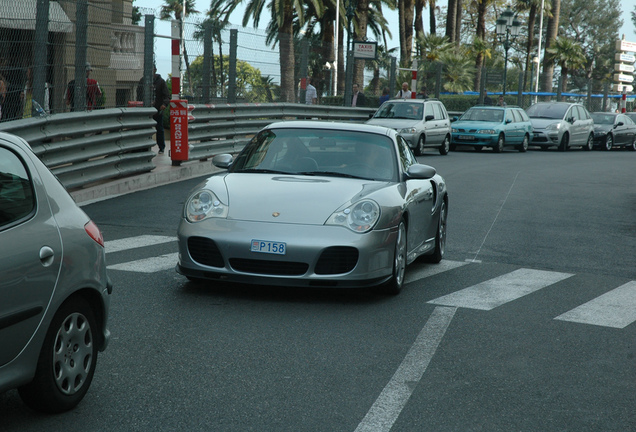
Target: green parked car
[[492, 126]]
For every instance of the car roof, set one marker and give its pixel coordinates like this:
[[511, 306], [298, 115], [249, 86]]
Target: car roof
[[319, 124], [16, 140], [557, 103], [420, 101]]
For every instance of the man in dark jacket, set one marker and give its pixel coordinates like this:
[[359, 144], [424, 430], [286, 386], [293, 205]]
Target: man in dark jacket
[[160, 102]]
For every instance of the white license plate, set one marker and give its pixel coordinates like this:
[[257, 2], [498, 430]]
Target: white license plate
[[271, 247], [466, 137]]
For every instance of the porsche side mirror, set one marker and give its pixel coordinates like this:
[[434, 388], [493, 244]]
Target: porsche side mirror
[[420, 171], [222, 161]]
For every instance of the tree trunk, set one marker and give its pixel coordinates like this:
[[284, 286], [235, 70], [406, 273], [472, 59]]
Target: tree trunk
[[360, 34], [481, 34], [451, 20], [431, 17], [406, 11], [287, 58], [418, 25], [532, 17], [548, 59], [458, 22]]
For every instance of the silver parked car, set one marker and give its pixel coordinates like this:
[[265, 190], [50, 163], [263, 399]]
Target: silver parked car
[[561, 124], [423, 122], [315, 204], [54, 290]]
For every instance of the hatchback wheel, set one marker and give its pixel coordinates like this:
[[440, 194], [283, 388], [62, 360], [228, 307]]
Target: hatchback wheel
[[523, 147], [67, 360], [565, 142], [589, 145], [394, 285], [445, 147], [419, 149], [609, 142], [498, 148]]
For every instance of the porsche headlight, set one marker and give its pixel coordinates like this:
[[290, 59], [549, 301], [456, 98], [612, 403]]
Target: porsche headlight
[[204, 204], [360, 217], [408, 131]]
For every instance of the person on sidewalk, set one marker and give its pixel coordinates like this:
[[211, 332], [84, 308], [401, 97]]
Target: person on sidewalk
[[162, 99], [311, 96]]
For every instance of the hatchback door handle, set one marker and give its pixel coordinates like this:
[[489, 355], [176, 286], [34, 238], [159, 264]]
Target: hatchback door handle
[[46, 256]]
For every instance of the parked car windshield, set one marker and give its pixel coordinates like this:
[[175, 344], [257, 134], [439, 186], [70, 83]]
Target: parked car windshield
[[483, 114], [549, 111], [400, 110], [603, 118]]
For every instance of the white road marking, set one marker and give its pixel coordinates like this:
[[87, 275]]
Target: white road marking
[[616, 308], [136, 242], [500, 290], [397, 392], [431, 270], [148, 265]]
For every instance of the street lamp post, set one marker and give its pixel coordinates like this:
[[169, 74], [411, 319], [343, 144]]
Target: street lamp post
[[508, 27]]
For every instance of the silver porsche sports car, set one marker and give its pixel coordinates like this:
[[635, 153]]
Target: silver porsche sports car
[[320, 204]]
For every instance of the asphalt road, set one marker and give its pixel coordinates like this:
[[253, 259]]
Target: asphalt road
[[527, 325]]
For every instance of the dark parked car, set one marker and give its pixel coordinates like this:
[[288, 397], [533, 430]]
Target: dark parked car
[[561, 124], [614, 130], [54, 291]]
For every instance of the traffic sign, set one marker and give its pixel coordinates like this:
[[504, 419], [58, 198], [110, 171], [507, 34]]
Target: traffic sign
[[624, 58], [622, 87], [620, 67], [623, 45], [623, 78]]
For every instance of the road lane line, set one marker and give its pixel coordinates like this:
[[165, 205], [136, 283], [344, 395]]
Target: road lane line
[[148, 265], [397, 392], [500, 290], [136, 242], [431, 270], [616, 308]]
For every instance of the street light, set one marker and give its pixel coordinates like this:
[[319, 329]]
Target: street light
[[508, 27]]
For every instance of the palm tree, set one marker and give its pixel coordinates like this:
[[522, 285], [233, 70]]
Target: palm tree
[[479, 43], [458, 73], [451, 20], [482, 51], [551, 35], [406, 11], [175, 7], [569, 55]]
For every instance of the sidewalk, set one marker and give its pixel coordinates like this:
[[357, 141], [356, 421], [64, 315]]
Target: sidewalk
[[164, 173]]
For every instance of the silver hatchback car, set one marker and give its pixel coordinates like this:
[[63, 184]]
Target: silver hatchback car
[[561, 124], [422, 122], [54, 290]]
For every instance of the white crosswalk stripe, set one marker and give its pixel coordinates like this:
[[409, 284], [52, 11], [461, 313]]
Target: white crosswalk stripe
[[119, 245], [148, 265], [500, 290], [616, 308]]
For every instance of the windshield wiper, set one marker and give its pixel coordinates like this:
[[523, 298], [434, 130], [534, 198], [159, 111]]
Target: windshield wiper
[[331, 174], [262, 170]]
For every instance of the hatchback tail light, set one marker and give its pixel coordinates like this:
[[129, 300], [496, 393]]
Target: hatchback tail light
[[94, 233]]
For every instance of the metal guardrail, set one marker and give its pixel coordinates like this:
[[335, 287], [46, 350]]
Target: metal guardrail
[[81, 148]]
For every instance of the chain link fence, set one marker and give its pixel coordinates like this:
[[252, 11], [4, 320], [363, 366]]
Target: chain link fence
[[51, 51]]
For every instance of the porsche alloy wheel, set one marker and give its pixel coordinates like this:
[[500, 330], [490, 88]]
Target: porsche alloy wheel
[[609, 143], [67, 360], [394, 285], [440, 238]]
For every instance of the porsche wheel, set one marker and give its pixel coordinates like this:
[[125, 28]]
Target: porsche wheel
[[445, 147], [609, 142], [67, 360], [440, 238], [394, 285]]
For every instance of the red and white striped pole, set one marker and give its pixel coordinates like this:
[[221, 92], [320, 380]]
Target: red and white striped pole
[[414, 80], [624, 100], [176, 59]]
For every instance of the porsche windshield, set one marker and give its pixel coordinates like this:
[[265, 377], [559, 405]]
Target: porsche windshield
[[319, 152]]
